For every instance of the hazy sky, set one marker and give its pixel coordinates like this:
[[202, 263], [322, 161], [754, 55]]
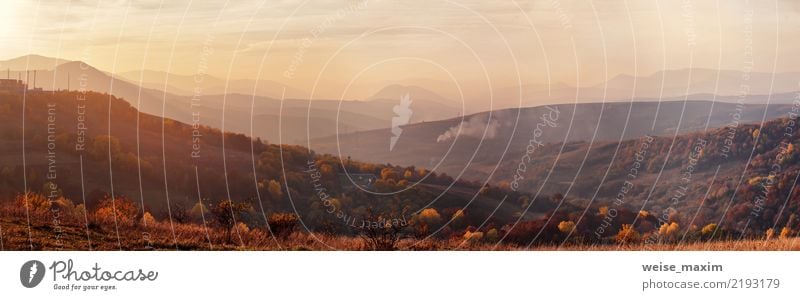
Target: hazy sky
[[369, 42]]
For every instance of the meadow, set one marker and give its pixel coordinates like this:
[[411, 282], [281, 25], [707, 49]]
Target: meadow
[[159, 235]]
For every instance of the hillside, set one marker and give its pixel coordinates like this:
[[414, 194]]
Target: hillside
[[473, 145], [693, 178], [151, 163], [566, 192]]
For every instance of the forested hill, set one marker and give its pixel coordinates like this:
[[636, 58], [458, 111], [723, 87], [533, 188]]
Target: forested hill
[[156, 161]]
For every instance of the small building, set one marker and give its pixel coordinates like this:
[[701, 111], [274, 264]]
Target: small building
[[12, 86]]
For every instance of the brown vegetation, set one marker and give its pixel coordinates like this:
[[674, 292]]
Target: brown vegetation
[[268, 191]]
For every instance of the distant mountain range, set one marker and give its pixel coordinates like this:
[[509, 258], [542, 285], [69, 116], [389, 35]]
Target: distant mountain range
[[187, 85], [31, 62], [696, 84], [230, 105], [259, 116]]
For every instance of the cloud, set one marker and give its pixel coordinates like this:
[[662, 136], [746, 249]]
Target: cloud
[[474, 127]]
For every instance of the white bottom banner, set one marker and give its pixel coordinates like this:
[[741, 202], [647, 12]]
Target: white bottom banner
[[398, 275]]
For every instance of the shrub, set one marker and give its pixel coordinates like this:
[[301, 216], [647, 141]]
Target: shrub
[[786, 233], [669, 232], [39, 208], [148, 218], [282, 224], [602, 211], [198, 211], [36, 204], [274, 189], [492, 235], [566, 226], [673, 229], [80, 211], [389, 173], [457, 220], [242, 228], [120, 211], [627, 234], [708, 229], [473, 237], [770, 233], [425, 220], [430, 216]]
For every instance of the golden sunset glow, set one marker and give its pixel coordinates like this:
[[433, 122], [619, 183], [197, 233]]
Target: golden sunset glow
[[366, 44]]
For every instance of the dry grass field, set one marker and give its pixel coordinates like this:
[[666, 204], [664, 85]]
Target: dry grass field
[[777, 244], [159, 236]]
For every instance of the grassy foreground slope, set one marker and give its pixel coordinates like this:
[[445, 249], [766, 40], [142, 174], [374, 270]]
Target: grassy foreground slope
[[193, 237]]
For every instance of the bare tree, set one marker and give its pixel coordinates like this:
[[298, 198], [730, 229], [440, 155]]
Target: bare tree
[[382, 232], [180, 213], [225, 213]]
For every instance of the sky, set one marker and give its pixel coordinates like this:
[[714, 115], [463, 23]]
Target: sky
[[350, 47]]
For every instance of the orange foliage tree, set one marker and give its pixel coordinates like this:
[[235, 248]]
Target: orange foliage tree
[[120, 210]]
